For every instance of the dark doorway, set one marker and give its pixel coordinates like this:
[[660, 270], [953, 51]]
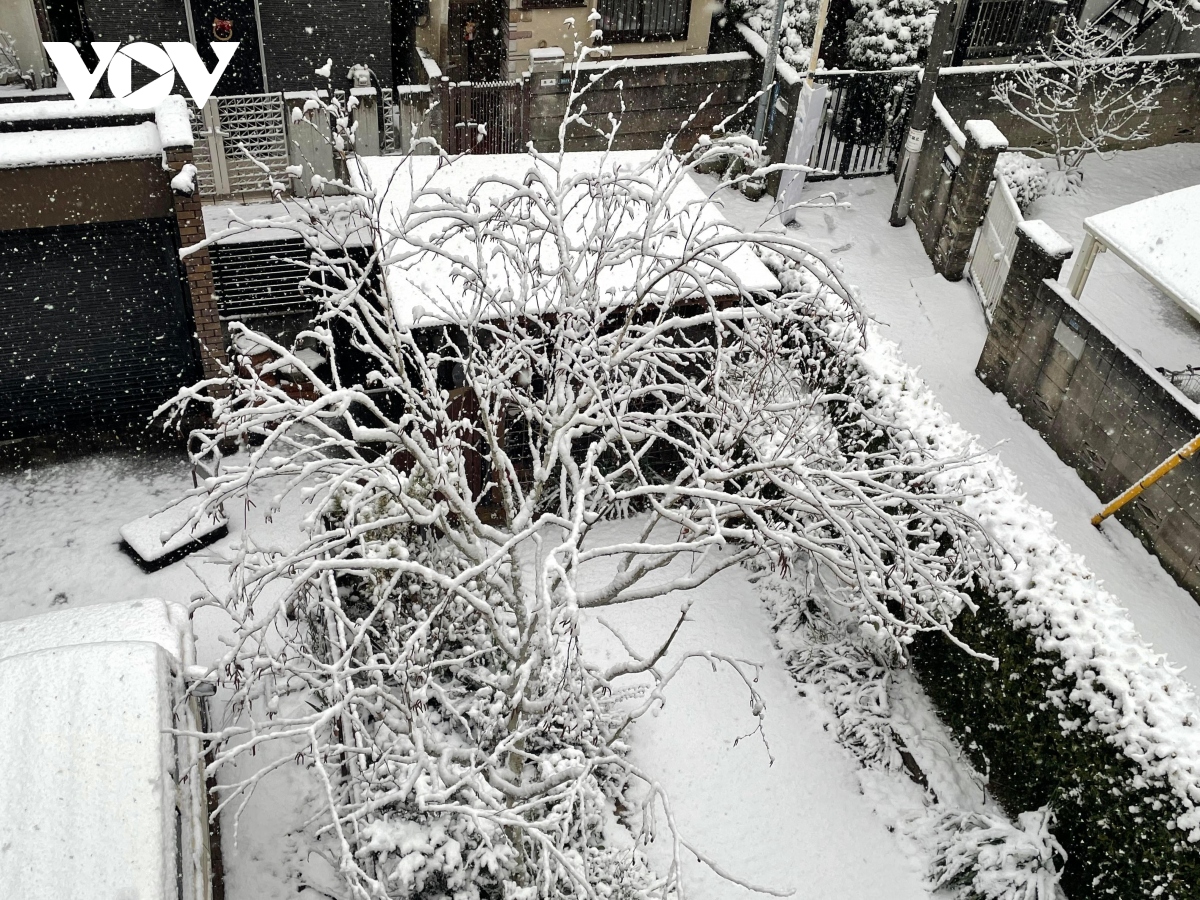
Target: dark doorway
[[478, 41], [68, 23], [230, 20]]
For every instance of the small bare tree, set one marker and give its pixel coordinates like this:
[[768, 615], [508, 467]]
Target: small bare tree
[[512, 358], [1082, 99]]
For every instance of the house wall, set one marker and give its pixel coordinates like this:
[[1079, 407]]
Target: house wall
[[111, 191], [155, 21], [299, 35], [1102, 409]]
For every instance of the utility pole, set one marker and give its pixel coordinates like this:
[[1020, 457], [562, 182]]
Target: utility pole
[[768, 79], [922, 112]]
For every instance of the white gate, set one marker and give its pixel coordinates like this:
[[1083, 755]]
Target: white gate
[[994, 245], [228, 132]]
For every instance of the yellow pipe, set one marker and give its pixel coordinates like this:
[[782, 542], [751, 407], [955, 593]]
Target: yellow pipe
[[1149, 478]]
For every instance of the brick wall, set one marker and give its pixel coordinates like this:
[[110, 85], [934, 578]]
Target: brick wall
[[189, 219], [1102, 409], [299, 36]]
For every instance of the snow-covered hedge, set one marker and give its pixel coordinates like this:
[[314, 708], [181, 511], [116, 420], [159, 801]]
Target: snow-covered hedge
[[1078, 712], [879, 34]]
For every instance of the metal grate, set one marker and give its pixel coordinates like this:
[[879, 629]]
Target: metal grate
[[387, 140], [256, 279], [256, 123], [1005, 27], [631, 21], [489, 117]]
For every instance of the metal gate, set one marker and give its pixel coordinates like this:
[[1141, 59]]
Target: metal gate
[[489, 117], [235, 137], [865, 117], [994, 245]]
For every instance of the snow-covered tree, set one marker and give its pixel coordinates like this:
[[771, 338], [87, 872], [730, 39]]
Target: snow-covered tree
[[888, 33], [10, 66], [510, 360], [1081, 99]]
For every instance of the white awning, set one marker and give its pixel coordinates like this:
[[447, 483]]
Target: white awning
[[1159, 238]]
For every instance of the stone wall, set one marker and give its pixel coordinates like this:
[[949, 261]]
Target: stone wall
[[1103, 410], [652, 99]]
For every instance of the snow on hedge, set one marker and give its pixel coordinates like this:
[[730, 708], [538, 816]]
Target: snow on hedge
[[882, 33], [1135, 697]]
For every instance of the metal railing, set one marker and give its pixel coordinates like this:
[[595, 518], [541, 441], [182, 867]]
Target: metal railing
[[864, 122], [1005, 27]]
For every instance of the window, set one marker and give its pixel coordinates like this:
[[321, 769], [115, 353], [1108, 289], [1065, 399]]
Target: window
[[552, 4], [630, 21]]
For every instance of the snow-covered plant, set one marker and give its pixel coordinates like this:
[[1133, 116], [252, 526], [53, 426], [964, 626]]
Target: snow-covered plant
[[512, 354], [887, 33], [799, 23], [987, 858], [1024, 176], [1081, 99]]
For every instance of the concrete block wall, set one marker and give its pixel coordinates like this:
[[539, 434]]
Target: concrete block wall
[[1103, 410], [657, 99], [966, 92], [189, 219]]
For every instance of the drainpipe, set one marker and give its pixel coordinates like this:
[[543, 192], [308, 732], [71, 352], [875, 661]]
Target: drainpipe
[[922, 113], [1184, 452], [768, 79]]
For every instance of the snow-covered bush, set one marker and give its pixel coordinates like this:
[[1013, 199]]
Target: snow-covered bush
[[1068, 706], [1082, 99], [987, 858], [1024, 176], [888, 33], [593, 338], [799, 23]]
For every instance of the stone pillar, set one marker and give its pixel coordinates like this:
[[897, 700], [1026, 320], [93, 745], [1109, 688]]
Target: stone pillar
[[968, 197], [1016, 330], [189, 220], [366, 116]]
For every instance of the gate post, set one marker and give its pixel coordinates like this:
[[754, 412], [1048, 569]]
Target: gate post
[[526, 97], [968, 197], [216, 147]]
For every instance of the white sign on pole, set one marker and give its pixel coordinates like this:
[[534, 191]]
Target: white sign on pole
[[810, 110]]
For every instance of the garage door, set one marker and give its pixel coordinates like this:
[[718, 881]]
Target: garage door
[[94, 328]]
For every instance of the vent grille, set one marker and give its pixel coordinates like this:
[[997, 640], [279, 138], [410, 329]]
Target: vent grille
[[260, 279]]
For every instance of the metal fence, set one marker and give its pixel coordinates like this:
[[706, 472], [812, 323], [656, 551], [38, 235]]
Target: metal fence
[[1002, 28], [488, 117], [865, 116], [994, 245]]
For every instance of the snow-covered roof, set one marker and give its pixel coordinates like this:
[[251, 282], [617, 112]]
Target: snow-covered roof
[[251, 223], [422, 286], [56, 147], [1160, 238], [85, 808], [150, 621]]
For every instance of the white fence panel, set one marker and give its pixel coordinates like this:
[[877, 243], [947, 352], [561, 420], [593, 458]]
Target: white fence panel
[[997, 239]]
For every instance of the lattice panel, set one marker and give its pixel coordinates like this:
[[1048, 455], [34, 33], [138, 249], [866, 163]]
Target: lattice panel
[[256, 122], [201, 157], [388, 138]]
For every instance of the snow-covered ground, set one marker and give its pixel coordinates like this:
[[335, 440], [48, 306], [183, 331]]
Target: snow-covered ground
[[801, 822], [1147, 320], [940, 329]]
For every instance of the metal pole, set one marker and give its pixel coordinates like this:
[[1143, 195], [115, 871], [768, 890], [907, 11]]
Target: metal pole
[[922, 112], [1184, 452], [768, 79]]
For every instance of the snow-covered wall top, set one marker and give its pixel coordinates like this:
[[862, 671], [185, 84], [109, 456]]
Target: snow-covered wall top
[[170, 117], [150, 621], [22, 149]]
